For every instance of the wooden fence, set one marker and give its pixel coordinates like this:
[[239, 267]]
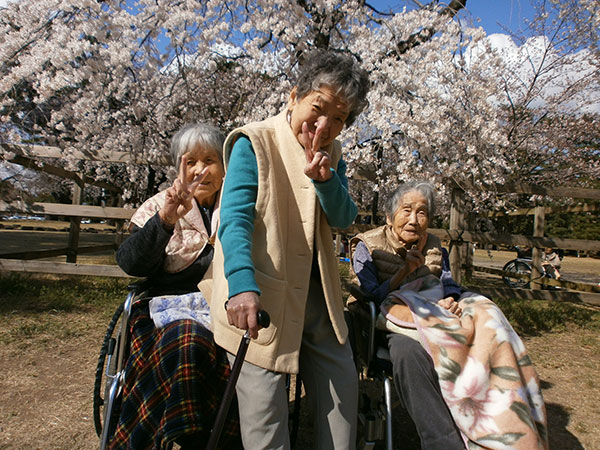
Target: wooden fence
[[461, 239], [459, 236], [28, 261], [41, 158]]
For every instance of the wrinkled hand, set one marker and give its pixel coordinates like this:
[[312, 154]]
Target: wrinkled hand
[[318, 163], [179, 197], [242, 310], [451, 305], [414, 259]]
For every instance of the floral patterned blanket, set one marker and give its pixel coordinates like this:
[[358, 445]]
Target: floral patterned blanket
[[487, 378], [166, 309]]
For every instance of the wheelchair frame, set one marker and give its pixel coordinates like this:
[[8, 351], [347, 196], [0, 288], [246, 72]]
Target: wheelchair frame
[[373, 365], [518, 273], [110, 372], [114, 352]]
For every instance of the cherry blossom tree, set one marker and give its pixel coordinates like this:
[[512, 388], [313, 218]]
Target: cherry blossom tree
[[116, 76], [552, 103]]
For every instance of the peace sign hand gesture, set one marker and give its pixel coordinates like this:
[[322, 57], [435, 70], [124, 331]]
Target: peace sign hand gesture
[[178, 200], [318, 163]]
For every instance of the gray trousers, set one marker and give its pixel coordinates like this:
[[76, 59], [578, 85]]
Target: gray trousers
[[417, 384], [330, 380]]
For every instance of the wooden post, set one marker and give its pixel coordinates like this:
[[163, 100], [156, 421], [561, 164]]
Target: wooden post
[[120, 229], [469, 249], [538, 231], [338, 244], [75, 222], [457, 214]]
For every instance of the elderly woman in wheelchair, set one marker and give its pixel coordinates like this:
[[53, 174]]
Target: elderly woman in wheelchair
[[460, 370], [175, 375]]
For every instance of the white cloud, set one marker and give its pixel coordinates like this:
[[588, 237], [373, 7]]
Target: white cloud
[[557, 74]]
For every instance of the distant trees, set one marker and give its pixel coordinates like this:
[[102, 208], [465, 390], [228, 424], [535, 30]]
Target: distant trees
[[124, 76]]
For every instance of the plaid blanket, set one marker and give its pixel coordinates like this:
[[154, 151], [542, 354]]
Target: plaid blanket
[[175, 379]]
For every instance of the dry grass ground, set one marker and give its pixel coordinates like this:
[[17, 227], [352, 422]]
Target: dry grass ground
[[52, 329]]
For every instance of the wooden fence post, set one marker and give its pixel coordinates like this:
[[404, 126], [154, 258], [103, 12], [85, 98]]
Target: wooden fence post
[[536, 255], [457, 215], [469, 248], [75, 222], [338, 244]]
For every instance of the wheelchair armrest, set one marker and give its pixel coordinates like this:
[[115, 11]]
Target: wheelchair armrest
[[359, 294], [139, 286], [365, 311]]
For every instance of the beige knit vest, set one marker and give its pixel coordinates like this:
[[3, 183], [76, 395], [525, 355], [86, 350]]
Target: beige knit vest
[[288, 223], [388, 253]]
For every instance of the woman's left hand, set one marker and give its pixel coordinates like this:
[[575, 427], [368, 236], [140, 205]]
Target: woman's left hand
[[451, 305], [318, 163]]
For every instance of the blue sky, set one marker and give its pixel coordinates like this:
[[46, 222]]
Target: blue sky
[[493, 13]]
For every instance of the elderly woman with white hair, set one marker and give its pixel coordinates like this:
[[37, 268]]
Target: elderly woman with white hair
[[176, 375], [459, 368]]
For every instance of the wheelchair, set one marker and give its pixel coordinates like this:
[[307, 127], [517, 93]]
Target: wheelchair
[[372, 360], [518, 273], [110, 372]]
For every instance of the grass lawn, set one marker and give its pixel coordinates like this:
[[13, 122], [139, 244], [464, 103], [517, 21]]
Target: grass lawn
[[52, 329]]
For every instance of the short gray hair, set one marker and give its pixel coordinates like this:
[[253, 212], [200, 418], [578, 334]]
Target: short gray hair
[[339, 72], [193, 134], [422, 187]]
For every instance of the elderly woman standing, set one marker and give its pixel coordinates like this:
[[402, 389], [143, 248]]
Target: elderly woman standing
[[458, 366], [285, 187], [175, 374]]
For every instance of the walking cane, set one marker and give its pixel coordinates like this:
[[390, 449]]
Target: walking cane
[[263, 320]]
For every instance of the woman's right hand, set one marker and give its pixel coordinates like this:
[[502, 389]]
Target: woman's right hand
[[414, 259], [318, 162], [451, 305], [179, 197], [242, 310]]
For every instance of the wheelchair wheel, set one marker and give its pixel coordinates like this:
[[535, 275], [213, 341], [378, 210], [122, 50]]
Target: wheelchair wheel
[[517, 274], [101, 382]]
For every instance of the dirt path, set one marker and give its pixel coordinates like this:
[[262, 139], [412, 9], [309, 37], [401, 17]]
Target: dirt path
[[569, 366]]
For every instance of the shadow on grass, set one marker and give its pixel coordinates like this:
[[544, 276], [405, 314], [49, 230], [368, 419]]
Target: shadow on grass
[[559, 436]]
